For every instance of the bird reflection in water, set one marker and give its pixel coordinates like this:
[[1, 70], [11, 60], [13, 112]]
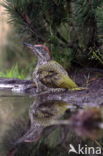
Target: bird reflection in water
[[42, 115], [45, 115]]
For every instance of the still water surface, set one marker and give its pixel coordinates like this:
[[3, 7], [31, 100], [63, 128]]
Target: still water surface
[[14, 108]]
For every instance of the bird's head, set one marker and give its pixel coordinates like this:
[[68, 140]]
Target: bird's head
[[40, 50]]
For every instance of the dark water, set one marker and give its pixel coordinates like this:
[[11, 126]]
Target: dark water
[[12, 110], [50, 136]]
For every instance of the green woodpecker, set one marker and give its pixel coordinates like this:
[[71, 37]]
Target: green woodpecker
[[46, 112], [43, 115], [48, 72]]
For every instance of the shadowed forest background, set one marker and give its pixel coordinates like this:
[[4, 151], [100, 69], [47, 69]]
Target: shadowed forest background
[[72, 30]]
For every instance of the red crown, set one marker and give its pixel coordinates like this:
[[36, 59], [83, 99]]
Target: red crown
[[41, 45]]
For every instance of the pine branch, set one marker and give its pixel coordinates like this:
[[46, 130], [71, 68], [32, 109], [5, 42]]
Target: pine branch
[[28, 22], [59, 36]]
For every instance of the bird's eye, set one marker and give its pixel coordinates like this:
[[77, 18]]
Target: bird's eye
[[40, 49]]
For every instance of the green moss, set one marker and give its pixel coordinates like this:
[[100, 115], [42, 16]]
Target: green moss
[[14, 72]]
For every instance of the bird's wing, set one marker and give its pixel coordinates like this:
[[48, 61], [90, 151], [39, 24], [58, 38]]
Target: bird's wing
[[53, 75]]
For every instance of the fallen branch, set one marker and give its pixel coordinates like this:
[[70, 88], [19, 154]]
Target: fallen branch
[[93, 96]]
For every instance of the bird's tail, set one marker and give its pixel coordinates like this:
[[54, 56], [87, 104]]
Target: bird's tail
[[67, 82]]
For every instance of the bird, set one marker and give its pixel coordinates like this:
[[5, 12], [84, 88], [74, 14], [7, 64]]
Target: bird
[[46, 112], [48, 73], [43, 115]]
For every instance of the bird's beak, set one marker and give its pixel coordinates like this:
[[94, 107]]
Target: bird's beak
[[28, 45], [34, 49]]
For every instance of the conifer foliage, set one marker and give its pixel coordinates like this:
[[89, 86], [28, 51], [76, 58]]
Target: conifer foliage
[[75, 28]]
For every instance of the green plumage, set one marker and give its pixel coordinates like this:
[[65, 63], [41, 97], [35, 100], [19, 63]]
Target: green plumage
[[53, 75], [48, 111]]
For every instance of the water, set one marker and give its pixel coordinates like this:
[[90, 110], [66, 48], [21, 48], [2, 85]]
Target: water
[[53, 128], [12, 109]]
